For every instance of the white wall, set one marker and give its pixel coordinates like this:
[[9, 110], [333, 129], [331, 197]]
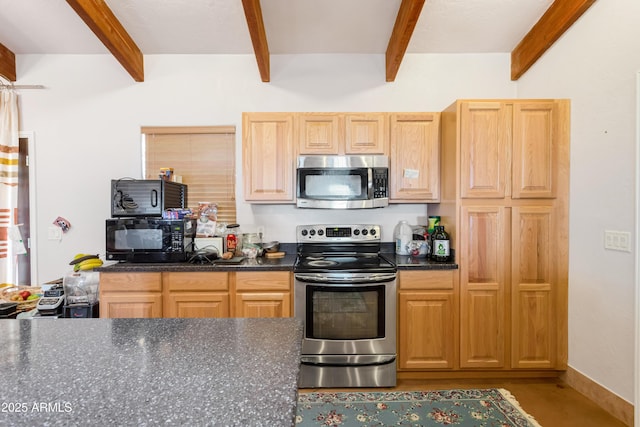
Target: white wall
[[87, 124], [595, 65]]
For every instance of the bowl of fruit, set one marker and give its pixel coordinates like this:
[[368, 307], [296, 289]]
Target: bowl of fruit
[[27, 297]]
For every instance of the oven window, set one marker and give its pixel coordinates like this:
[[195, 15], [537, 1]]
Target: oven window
[[345, 313]]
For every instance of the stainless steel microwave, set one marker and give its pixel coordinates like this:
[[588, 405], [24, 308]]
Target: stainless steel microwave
[[149, 239], [342, 181]]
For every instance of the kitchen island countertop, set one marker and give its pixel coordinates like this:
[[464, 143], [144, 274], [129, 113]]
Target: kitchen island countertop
[[61, 372]]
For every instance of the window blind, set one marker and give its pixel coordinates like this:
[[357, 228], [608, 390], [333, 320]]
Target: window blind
[[203, 156]]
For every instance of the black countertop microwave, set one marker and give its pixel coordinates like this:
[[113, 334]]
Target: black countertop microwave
[[342, 181], [149, 239], [145, 197]]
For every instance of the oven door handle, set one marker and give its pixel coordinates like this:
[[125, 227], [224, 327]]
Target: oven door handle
[[349, 360], [352, 279]]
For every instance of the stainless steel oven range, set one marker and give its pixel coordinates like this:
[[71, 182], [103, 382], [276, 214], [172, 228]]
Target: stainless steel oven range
[[345, 295]]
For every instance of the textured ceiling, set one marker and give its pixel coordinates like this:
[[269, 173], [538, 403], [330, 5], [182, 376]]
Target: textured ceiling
[[292, 26]]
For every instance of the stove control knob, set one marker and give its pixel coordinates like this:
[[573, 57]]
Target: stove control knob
[[373, 232], [320, 232], [365, 232], [304, 232], [312, 232], [357, 232]]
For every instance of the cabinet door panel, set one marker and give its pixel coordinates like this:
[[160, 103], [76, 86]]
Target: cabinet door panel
[[366, 134], [319, 134], [196, 281], [415, 157], [198, 304], [484, 134], [265, 304], [534, 330], [128, 282], [130, 305], [426, 330], [423, 280], [482, 327], [482, 285], [534, 150], [268, 162], [263, 280]]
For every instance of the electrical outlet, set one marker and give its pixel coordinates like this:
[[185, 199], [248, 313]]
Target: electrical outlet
[[617, 240]]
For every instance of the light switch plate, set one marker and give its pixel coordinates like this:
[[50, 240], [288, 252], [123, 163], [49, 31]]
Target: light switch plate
[[617, 240], [54, 232]]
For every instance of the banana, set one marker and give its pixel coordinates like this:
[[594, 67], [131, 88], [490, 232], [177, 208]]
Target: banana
[[81, 257], [88, 264]]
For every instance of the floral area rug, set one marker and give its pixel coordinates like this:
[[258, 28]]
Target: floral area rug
[[478, 408]]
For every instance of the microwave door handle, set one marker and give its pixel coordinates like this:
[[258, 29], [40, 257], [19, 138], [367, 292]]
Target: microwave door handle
[[370, 183], [154, 198]]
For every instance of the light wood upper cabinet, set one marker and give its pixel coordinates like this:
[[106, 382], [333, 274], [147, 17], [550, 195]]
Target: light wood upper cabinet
[[484, 134], [342, 133], [535, 150], [415, 157], [319, 133], [268, 157], [366, 133], [509, 148]]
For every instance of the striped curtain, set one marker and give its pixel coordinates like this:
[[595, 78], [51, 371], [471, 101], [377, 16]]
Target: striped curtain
[[9, 152]]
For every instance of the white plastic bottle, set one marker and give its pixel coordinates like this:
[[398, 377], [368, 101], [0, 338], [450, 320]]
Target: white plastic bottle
[[402, 235]]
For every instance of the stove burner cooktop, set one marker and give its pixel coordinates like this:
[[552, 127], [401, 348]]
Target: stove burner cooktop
[[321, 262], [344, 263], [352, 248]]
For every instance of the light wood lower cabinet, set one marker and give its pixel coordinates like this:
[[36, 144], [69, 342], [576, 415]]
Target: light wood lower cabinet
[[427, 318], [196, 294], [130, 295], [263, 294]]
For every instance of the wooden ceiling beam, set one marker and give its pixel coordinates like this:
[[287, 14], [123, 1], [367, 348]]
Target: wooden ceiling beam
[[555, 21], [406, 20], [253, 14], [104, 24], [7, 63]]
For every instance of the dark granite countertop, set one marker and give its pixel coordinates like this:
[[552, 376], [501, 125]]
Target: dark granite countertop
[[143, 372], [406, 262], [258, 264], [264, 264]]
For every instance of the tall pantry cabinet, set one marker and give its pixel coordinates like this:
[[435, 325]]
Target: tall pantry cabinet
[[505, 184]]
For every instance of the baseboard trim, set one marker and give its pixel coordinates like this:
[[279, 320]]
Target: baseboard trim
[[610, 402]]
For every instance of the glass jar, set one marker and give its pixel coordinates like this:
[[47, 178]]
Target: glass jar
[[251, 245], [231, 238]]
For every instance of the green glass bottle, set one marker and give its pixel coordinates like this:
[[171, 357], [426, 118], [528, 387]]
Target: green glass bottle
[[440, 247]]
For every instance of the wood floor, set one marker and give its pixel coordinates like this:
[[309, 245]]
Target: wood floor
[[551, 402]]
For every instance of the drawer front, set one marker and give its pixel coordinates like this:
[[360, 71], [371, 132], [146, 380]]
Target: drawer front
[[260, 280], [196, 281], [130, 282], [426, 279]]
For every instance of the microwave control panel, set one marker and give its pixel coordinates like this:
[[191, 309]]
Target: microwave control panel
[[380, 182]]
